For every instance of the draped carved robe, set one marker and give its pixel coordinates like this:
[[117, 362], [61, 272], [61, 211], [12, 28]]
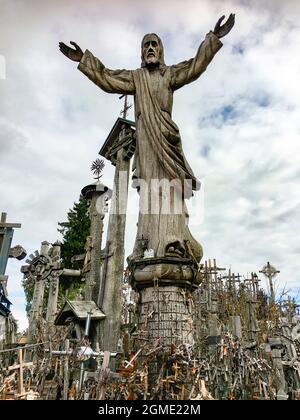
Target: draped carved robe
[[159, 153]]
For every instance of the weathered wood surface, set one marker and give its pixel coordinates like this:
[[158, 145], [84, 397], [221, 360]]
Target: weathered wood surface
[[114, 268], [103, 376], [92, 262], [66, 371], [166, 314]]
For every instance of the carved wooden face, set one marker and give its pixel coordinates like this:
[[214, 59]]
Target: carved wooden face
[[151, 50]]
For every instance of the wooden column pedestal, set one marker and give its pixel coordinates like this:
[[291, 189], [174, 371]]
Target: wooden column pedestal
[[165, 308]]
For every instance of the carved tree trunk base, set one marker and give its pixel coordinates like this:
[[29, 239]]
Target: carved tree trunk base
[[165, 316]]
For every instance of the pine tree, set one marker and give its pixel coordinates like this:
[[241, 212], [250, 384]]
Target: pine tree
[[74, 233], [28, 286]]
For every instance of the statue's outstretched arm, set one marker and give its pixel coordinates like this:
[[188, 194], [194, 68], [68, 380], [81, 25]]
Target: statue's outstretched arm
[[111, 81], [188, 71]]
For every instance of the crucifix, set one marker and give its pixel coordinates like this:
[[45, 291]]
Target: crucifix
[[270, 272]]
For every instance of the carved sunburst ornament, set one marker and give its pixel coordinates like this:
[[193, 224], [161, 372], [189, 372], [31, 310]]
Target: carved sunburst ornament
[[97, 168]]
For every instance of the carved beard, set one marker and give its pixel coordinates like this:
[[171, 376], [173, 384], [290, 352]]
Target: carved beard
[[151, 57]]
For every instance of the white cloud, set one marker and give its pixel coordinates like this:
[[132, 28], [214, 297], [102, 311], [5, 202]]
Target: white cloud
[[239, 122]]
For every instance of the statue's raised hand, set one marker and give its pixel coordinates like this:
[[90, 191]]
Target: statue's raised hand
[[73, 54], [222, 30]]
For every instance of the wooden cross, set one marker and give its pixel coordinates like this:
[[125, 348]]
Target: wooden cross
[[252, 285], [210, 272], [3, 223], [255, 281], [126, 107], [290, 306], [176, 368], [231, 280], [133, 358], [6, 236], [168, 380], [20, 366]]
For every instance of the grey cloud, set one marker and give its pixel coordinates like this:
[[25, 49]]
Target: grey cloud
[[10, 138]]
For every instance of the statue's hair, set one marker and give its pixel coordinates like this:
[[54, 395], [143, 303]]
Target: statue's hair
[[161, 57]]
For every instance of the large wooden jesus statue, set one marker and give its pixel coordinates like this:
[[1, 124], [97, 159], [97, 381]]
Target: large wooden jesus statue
[[159, 155]]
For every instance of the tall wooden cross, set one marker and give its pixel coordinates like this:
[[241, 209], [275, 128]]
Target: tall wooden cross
[[210, 273], [232, 279], [6, 236], [20, 366]]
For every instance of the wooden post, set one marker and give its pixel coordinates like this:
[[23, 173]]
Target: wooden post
[[54, 283], [103, 376], [21, 385], [97, 194], [112, 302], [52, 300], [119, 148], [36, 269], [66, 370]]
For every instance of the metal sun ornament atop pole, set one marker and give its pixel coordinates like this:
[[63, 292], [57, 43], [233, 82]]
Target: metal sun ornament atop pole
[[97, 168]]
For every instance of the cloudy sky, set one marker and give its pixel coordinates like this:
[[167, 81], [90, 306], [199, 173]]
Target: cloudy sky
[[240, 122]]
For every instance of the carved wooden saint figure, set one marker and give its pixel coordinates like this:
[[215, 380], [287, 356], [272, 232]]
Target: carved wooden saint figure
[[159, 155]]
